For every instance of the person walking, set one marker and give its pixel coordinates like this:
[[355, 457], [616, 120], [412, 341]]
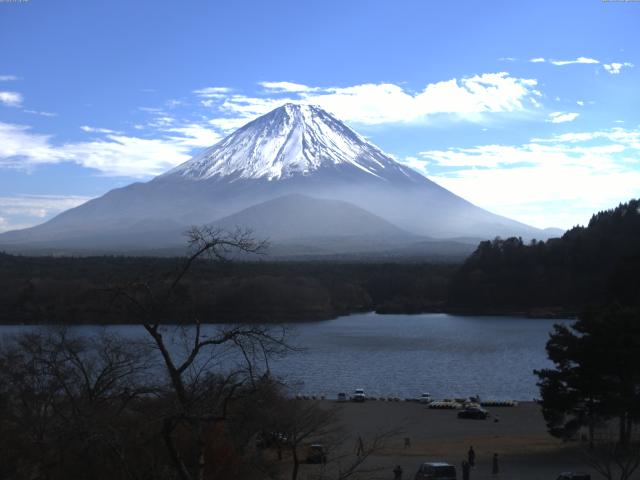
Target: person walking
[[360, 447], [466, 470], [494, 465], [471, 456], [397, 473]]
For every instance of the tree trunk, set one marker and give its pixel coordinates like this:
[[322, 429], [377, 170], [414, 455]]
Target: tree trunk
[[200, 452], [296, 463]]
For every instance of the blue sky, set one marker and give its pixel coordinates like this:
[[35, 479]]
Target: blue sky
[[528, 109]]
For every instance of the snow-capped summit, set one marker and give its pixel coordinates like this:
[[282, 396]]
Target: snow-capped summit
[[288, 141], [293, 173]]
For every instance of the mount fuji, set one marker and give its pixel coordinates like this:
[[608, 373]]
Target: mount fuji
[[296, 175]]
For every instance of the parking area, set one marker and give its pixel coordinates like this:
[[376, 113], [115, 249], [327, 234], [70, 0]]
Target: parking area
[[519, 437]]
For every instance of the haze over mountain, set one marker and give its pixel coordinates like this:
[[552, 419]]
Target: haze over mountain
[[254, 178]]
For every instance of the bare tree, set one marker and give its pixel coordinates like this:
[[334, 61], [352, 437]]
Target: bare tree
[[611, 458], [201, 384], [65, 403]]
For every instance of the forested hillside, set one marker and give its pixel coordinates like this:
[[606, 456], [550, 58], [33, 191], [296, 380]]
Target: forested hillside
[[590, 265], [77, 290]]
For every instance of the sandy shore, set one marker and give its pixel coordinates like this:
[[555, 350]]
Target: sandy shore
[[519, 436]]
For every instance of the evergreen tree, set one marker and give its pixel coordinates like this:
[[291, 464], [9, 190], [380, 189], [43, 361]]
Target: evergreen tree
[[596, 379]]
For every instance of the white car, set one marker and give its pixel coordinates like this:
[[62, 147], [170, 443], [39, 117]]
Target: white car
[[425, 398], [358, 395]]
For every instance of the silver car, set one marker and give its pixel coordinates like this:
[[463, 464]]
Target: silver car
[[436, 471]]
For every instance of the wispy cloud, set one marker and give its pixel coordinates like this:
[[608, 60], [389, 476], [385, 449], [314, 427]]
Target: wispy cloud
[[19, 144], [579, 60], [212, 92], [467, 98], [112, 154], [88, 129], [615, 68], [538, 60], [8, 78], [11, 99], [562, 117], [195, 135], [287, 87], [543, 182], [23, 211], [42, 114]]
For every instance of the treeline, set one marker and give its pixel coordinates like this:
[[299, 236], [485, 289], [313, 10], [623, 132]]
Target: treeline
[[593, 265], [77, 290], [587, 266]]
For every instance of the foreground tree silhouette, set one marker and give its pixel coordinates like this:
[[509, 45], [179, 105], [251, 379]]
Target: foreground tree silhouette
[[68, 404], [595, 385], [201, 395]]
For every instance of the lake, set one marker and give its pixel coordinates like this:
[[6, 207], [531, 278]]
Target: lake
[[405, 355]]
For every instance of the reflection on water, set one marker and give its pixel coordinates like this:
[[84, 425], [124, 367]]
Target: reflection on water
[[405, 355]]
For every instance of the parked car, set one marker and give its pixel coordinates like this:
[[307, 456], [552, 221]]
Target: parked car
[[425, 398], [358, 395], [476, 413], [342, 397], [316, 454], [436, 471], [270, 439], [574, 476]]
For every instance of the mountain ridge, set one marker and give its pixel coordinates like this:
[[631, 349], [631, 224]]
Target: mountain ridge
[[291, 150]]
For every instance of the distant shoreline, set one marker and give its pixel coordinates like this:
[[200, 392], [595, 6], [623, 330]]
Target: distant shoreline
[[540, 314]]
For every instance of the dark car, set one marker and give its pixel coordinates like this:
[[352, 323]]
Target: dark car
[[316, 454], [475, 413], [436, 471], [270, 439], [574, 476]]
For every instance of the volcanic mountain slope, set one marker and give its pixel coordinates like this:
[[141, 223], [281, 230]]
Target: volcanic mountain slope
[[294, 149]]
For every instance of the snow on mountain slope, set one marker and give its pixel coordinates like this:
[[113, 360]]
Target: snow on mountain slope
[[294, 149], [290, 140]]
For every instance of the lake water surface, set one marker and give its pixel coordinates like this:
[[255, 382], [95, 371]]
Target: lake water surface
[[405, 355]]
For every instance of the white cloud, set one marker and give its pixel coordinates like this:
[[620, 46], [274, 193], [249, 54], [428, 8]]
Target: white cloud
[[212, 92], [173, 103], [557, 181], [43, 114], [22, 211], [18, 143], [579, 60], [537, 60], [11, 99], [614, 68], [467, 98], [88, 129], [112, 155], [126, 156], [195, 135], [8, 78], [228, 125], [580, 103], [287, 87], [562, 117]]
